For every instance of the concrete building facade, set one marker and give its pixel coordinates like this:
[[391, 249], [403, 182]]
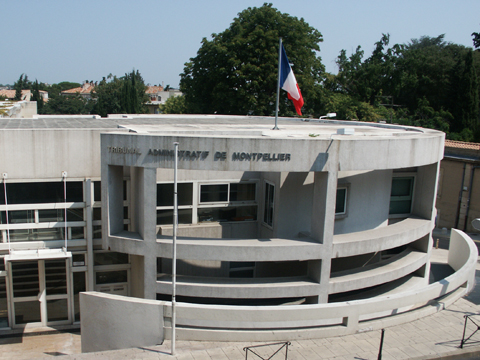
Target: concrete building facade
[[304, 230]]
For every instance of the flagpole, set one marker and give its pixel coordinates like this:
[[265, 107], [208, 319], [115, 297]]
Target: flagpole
[[278, 83]]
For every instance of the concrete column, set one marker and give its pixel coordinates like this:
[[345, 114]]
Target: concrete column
[[112, 201], [89, 233], [144, 220], [323, 221], [424, 198], [425, 191]]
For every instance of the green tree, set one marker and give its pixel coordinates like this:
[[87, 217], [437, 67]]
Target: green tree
[[174, 105], [18, 86], [476, 40], [120, 95], [67, 105], [236, 71], [36, 96]]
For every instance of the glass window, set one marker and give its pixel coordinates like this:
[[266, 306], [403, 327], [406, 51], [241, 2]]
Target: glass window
[[165, 217], [111, 277], [165, 194], [269, 204], [97, 213], [27, 312], [240, 269], [77, 233], [79, 285], [97, 231], [97, 191], [37, 234], [213, 193], [3, 302], [55, 277], [231, 213], [18, 217], [78, 259], [57, 310], [110, 258], [25, 278], [341, 201], [401, 195], [242, 192], [42, 192]]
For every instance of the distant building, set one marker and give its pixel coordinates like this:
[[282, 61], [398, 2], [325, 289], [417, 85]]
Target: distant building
[[157, 96], [458, 197], [10, 94], [84, 91]]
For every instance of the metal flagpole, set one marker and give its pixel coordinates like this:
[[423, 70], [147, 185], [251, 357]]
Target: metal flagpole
[[278, 84], [174, 245]]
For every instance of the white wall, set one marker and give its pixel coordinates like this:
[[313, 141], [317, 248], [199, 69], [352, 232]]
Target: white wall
[[368, 200]]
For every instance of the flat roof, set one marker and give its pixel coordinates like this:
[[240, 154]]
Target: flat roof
[[212, 125]]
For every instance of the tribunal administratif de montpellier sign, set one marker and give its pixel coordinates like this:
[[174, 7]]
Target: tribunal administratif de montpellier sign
[[202, 155]]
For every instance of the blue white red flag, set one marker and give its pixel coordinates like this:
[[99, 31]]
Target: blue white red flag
[[289, 83]]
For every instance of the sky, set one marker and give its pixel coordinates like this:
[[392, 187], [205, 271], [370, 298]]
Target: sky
[[67, 40]]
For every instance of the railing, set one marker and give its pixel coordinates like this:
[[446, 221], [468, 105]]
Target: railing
[[283, 345]]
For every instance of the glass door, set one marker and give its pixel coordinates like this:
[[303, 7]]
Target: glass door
[[41, 292]]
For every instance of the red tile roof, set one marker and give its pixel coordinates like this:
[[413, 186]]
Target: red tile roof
[[86, 88], [10, 94], [462, 145], [153, 89]]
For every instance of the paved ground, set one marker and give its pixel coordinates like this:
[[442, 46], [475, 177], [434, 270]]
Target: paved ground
[[435, 336]]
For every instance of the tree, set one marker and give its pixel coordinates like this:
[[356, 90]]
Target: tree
[[36, 96], [120, 95], [18, 86], [236, 71], [476, 40], [174, 105], [67, 105]]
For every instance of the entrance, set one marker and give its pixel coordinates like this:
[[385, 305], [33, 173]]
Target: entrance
[[41, 292]]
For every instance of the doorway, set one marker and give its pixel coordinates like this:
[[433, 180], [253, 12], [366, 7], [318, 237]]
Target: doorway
[[41, 292]]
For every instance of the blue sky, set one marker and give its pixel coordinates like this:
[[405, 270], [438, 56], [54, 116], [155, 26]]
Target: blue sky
[[67, 40]]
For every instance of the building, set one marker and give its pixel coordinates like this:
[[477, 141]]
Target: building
[[10, 94], [157, 96], [317, 228], [458, 198], [85, 91]]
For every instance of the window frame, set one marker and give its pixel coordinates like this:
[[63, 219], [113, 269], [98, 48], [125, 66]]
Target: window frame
[[346, 187], [411, 197], [267, 204]]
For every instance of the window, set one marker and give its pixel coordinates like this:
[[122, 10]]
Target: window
[[269, 203], [240, 269], [165, 203], [227, 202], [401, 195], [341, 201]]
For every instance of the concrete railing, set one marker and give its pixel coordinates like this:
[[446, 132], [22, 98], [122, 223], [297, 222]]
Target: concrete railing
[[265, 323], [249, 323]]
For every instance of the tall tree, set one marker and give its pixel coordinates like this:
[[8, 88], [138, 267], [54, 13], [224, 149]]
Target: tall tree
[[236, 71], [18, 86]]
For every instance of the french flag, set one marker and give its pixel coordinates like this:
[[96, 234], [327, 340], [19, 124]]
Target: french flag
[[289, 83]]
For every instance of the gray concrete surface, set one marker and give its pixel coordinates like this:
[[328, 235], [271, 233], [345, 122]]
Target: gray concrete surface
[[431, 337]]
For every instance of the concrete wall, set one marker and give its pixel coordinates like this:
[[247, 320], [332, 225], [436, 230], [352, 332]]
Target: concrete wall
[[368, 199], [269, 323], [44, 154], [296, 190], [111, 322]]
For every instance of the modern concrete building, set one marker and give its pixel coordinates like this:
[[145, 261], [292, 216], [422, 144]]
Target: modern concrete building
[[319, 228]]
